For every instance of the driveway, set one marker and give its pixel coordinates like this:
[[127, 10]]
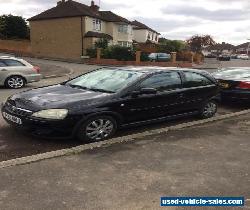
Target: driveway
[[207, 160]]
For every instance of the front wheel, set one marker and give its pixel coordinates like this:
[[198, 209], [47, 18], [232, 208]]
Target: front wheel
[[209, 110], [97, 129]]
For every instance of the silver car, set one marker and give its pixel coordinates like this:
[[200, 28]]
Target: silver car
[[16, 73]]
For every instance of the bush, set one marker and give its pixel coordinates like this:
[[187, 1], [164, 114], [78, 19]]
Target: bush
[[91, 52], [101, 43], [144, 56], [119, 53], [198, 57], [184, 56]]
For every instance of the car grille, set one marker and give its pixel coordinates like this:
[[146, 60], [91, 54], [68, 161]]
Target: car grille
[[15, 110]]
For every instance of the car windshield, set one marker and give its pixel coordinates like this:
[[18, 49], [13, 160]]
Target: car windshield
[[105, 80], [242, 73]]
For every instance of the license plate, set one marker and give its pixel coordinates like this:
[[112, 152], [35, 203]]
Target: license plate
[[12, 118], [224, 85]]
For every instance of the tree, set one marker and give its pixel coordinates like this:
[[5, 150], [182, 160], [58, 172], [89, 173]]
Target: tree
[[13, 27], [169, 46], [196, 42], [102, 43]]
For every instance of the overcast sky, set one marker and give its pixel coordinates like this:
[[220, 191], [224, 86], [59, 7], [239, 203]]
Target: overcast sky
[[225, 20]]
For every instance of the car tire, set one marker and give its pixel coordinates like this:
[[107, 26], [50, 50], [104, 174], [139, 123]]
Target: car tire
[[15, 82], [209, 109], [97, 128]]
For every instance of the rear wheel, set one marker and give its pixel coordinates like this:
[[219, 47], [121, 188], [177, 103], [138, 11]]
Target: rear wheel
[[209, 110], [15, 82], [97, 129]]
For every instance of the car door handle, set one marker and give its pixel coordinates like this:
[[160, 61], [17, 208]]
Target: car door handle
[[3, 69]]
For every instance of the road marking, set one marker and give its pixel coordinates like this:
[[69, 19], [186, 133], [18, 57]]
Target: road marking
[[128, 138]]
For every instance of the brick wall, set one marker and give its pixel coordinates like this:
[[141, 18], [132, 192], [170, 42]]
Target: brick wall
[[142, 63], [15, 46]]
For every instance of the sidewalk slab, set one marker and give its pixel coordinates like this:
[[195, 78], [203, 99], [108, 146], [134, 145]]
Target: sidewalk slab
[[206, 160]]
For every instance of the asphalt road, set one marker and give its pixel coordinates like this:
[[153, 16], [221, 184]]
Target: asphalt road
[[14, 143]]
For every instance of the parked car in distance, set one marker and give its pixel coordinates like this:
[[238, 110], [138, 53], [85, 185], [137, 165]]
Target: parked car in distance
[[235, 83], [243, 56], [94, 105], [224, 58], [159, 57], [234, 56], [16, 73], [211, 56]]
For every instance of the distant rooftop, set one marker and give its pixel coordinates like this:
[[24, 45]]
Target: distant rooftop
[[138, 26]]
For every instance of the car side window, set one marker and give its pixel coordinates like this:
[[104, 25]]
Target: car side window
[[195, 80], [10, 62], [2, 64], [162, 82]]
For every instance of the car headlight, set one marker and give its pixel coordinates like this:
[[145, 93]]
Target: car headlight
[[53, 114]]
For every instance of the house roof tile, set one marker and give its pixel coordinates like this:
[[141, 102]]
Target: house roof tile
[[75, 9], [138, 26]]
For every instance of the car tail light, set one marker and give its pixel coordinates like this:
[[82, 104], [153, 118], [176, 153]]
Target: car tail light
[[244, 85], [36, 69]]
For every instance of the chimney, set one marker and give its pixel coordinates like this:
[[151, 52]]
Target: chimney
[[60, 2], [94, 7]]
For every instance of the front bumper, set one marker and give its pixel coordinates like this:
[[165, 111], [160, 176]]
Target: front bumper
[[44, 128]]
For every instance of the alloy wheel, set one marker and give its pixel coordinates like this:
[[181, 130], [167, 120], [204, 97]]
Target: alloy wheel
[[99, 129], [15, 82], [210, 109]]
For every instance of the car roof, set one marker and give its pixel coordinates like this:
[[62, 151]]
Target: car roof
[[154, 69], [9, 57]]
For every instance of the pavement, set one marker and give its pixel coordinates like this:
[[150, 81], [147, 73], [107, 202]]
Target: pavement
[[52, 68], [134, 175]]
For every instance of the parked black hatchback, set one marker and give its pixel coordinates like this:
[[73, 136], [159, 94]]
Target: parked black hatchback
[[94, 105]]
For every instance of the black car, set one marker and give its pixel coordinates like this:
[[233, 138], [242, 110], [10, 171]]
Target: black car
[[94, 105], [224, 58], [235, 83]]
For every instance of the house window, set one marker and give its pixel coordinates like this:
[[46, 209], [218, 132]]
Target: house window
[[124, 44], [123, 29], [97, 25], [156, 38]]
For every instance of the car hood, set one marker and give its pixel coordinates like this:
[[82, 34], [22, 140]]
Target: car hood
[[56, 96]]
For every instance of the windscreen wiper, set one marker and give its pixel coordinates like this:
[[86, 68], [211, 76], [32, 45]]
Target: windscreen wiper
[[101, 90], [78, 86]]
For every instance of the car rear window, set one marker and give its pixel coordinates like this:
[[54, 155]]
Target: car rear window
[[195, 80], [10, 62], [2, 64], [162, 81]]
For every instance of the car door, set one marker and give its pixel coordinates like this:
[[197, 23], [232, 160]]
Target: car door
[[166, 101], [197, 89], [3, 71], [15, 66]]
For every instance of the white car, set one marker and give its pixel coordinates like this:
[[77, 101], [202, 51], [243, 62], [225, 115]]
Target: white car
[[16, 73], [243, 56]]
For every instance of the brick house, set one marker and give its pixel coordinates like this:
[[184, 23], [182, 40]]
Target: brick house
[[217, 49], [68, 29], [243, 48]]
